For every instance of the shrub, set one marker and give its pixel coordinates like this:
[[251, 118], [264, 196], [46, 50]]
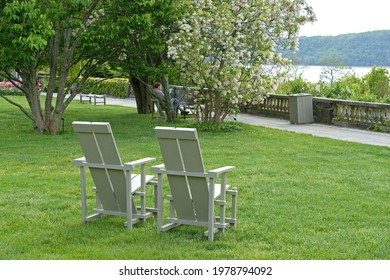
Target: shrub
[[378, 82], [117, 87], [374, 87], [298, 85], [225, 126]]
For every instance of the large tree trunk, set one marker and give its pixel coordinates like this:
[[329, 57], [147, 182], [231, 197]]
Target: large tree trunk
[[142, 96], [217, 108], [43, 123], [30, 82], [48, 119], [170, 111]]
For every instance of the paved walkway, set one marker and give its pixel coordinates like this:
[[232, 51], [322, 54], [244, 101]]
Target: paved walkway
[[321, 130], [340, 133]]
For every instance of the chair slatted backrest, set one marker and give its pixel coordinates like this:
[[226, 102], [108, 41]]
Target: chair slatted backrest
[[98, 144], [181, 152]]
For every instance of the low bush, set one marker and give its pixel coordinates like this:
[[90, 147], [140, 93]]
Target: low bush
[[117, 87], [373, 87], [227, 126]]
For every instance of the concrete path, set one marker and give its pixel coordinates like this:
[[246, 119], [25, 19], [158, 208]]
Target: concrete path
[[321, 130], [334, 132]]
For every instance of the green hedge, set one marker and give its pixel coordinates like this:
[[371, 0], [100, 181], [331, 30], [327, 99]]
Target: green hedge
[[117, 87]]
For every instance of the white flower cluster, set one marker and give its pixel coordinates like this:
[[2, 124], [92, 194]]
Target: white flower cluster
[[94, 16], [122, 56], [226, 46]]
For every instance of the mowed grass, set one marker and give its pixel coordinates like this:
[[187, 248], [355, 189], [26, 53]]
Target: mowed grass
[[300, 196]]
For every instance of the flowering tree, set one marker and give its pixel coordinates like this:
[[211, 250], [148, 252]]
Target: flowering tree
[[227, 50]]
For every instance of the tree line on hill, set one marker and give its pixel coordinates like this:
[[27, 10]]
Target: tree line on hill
[[356, 49]]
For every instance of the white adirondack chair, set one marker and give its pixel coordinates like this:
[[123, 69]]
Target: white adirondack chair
[[115, 184], [194, 192]]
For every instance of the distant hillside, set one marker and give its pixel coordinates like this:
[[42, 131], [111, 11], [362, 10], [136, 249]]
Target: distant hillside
[[360, 49]]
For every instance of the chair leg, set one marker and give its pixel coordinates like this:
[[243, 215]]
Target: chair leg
[[155, 197], [234, 193], [223, 204], [143, 190], [211, 211], [129, 201], [152, 209], [83, 185], [159, 203]]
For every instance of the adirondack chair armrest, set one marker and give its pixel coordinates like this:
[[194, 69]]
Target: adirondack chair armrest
[[83, 162], [215, 172], [139, 162], [160, 169], [79, 161], [157, 168]]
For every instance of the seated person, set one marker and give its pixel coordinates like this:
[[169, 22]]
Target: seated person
[[159, 94]]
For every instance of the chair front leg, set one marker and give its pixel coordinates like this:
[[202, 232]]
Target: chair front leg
[[129, 201], [234, 206], [211, 211], [159, 203], [143, 191], [83, 186], [223, 200]]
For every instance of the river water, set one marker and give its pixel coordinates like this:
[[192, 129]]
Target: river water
[[312, 73]]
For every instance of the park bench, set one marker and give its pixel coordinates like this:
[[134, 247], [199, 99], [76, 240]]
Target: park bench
[[97, 98]]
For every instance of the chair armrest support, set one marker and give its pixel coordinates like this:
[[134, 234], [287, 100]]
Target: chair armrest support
[[157, 168], [83, 163], [127, 166], [211, 174], [79, 161], [215, 172], [139, 162], [179, 173]]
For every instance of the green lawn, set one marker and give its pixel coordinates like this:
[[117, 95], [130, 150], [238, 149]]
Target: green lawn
[[300, 196]]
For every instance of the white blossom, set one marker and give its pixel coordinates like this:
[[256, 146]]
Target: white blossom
[[225, 46], [122, 56]]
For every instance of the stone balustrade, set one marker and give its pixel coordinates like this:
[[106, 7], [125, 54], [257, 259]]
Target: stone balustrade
[[325, 110]]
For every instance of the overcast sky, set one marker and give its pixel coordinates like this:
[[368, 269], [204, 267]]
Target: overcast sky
[[336, 17]]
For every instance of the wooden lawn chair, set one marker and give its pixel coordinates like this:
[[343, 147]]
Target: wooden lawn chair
[[194, 192], [115, 184]]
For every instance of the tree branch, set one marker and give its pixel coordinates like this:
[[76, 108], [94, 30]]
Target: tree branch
[[19, 106]]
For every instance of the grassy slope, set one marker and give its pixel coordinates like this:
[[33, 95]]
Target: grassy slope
[[300, 197]]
